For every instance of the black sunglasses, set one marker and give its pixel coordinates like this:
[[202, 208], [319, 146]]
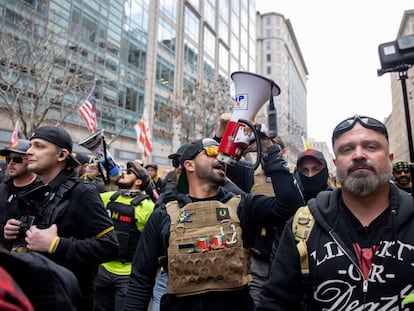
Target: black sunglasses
[[175, 163], [367, 122], [16, 159], [403, 170]]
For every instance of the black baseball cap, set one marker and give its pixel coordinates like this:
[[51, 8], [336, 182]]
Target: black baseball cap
[[140, 172], [189, 153], [154, 166], [57, 136], [179, 152], [311, 153], [22, 146]]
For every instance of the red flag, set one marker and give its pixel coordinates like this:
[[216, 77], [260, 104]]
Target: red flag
[[143, 139], [88, 112], [14, 141]]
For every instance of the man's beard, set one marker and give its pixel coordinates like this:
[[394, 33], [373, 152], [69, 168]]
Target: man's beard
[[124, 185], [363, 184]]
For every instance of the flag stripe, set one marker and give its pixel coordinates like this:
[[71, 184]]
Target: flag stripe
[[14, 141], [143, 139], [88, 112]]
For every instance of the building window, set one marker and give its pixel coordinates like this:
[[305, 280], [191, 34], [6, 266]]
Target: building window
[[191, 24], [190, 56], [269, 70], [166, 36], [209, 43], [169, 8], [165, 74], [268, 20], [268, 33], [209, 14], [269, 45], [268, 57]]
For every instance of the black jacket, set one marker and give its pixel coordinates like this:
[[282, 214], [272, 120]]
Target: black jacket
[[9, 207], [335, 275], [82, 221], [253, 210]]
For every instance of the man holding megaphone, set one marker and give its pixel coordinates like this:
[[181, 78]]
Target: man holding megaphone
[[205, 234]]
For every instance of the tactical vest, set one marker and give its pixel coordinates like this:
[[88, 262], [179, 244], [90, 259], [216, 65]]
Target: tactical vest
[[262, 183], [194, 270], [263, 243], [123, 217]]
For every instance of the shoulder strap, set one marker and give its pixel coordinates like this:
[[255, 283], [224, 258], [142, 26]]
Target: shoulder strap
[[302, 225], [56, 198], [139, 199], [135, 202], [114, 196]]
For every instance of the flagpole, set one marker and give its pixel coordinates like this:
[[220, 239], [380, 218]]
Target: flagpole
[[123, 129]]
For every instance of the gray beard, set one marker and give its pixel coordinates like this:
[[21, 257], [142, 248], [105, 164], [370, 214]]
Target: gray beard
[[363, 185]]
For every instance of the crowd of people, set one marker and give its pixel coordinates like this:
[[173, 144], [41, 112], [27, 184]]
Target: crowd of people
[[210, 236]]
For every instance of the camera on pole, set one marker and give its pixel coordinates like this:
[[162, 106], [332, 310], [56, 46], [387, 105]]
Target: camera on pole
[[398, 56]]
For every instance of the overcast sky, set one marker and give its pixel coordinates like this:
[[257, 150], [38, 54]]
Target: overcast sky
[[339, 42]]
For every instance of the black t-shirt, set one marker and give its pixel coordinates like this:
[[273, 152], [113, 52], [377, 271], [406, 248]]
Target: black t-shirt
[[364, 239]]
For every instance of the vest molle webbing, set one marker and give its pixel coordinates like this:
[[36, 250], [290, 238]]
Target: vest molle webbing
[[193, 272]]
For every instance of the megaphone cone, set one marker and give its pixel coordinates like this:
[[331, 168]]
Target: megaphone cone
[[252, 91], [96, 144]]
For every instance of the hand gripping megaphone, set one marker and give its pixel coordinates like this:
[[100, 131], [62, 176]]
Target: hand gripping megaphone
[[252, 91], [96, 144]]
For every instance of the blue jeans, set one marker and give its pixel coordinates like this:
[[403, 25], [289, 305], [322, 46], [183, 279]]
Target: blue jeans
[[160, 289]]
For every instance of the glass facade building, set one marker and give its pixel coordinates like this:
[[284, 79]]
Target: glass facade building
[[164, 57]]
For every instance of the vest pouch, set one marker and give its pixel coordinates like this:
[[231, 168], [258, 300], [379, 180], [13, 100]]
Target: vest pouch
[[194, 266], [194, 273]]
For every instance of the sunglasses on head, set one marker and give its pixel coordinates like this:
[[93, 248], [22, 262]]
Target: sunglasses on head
[[15, 159], [210, 150], [367, 122]]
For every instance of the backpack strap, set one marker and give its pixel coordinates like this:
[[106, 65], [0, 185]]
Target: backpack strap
[[302, 225]]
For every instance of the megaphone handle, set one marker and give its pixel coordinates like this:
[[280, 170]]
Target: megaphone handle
[[257, 139], [106, 179]]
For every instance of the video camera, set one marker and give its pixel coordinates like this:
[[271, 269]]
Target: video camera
[[396, 55]]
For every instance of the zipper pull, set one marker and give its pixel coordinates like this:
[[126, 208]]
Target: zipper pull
[[365, 286]]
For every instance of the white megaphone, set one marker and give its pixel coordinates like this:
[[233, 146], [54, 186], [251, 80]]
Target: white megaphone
[[252, 91], [96, 144]]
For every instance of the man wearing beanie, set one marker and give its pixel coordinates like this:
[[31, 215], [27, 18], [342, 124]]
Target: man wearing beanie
[[130, 208], [70, 223], [401, 172]]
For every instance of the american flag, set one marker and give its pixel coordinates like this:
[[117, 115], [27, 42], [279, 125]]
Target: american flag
[[14, 141], [88, 111], [143, 140]]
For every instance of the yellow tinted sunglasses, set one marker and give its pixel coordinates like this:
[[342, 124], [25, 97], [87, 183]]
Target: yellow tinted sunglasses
[[211, 150]]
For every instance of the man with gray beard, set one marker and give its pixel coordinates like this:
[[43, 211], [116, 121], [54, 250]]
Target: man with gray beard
[[360, 249]]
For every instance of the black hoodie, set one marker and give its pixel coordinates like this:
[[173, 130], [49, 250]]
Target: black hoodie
[[337, 282]]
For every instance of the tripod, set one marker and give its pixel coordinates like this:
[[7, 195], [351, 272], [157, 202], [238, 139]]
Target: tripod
[[402, 74]]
